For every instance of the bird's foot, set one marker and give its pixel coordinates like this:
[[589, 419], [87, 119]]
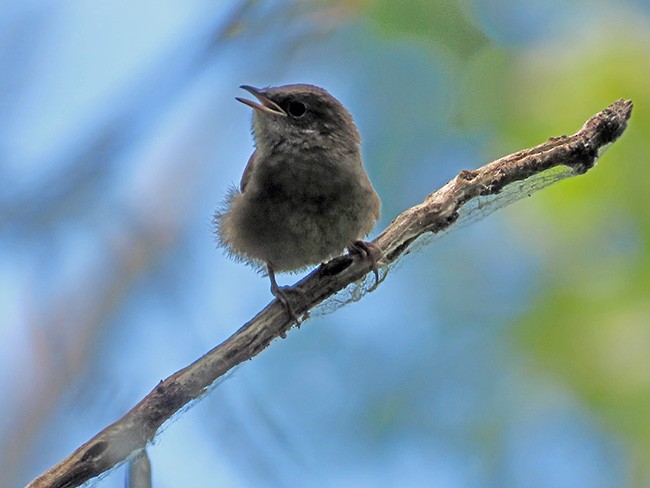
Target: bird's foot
[[368, 251], [282, 294]]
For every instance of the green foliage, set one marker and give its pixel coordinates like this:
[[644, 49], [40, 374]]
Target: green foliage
[[590, 324], [443, 23]]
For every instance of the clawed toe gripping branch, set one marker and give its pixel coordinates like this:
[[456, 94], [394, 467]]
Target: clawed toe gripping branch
[[130, 434]]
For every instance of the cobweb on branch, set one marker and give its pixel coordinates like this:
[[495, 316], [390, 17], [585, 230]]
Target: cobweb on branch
[[473, 211]]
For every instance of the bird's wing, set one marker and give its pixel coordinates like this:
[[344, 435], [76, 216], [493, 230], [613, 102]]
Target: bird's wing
[[248, 171]]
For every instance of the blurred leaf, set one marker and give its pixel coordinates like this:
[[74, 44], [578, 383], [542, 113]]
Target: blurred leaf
[[446, 23]]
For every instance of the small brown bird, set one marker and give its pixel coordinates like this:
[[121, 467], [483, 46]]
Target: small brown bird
[[304, 196]]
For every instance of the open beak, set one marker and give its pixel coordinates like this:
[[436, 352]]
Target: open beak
[[265, 104]]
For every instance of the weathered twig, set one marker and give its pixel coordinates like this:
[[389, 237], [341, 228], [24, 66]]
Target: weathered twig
[[439, 210]]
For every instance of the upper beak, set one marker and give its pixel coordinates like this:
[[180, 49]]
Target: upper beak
[[265, 104]]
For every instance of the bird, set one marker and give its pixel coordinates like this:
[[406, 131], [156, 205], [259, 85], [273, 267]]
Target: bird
[[304, 196]]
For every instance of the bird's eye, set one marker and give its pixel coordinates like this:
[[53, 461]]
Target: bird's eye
[[296, 109]]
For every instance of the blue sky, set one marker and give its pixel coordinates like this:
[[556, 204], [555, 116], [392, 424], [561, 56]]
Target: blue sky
[[119, 136]]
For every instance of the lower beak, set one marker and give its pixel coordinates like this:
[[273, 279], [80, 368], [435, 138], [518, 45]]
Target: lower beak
[[265, 104]]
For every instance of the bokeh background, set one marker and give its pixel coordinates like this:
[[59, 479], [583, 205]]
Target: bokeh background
[[514, 352]]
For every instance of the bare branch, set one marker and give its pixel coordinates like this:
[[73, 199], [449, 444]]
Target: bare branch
[[441, 209]]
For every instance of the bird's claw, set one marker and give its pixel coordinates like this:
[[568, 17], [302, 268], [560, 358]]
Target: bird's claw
[[368, 251], [281, 293]]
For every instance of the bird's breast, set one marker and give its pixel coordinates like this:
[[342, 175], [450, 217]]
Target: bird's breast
[[308, 175]]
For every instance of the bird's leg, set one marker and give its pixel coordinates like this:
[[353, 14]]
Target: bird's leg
[[368, 251], [280, 292]]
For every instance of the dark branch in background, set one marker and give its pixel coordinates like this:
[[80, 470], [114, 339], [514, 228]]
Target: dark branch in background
[[441, 209], [83, 168]]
